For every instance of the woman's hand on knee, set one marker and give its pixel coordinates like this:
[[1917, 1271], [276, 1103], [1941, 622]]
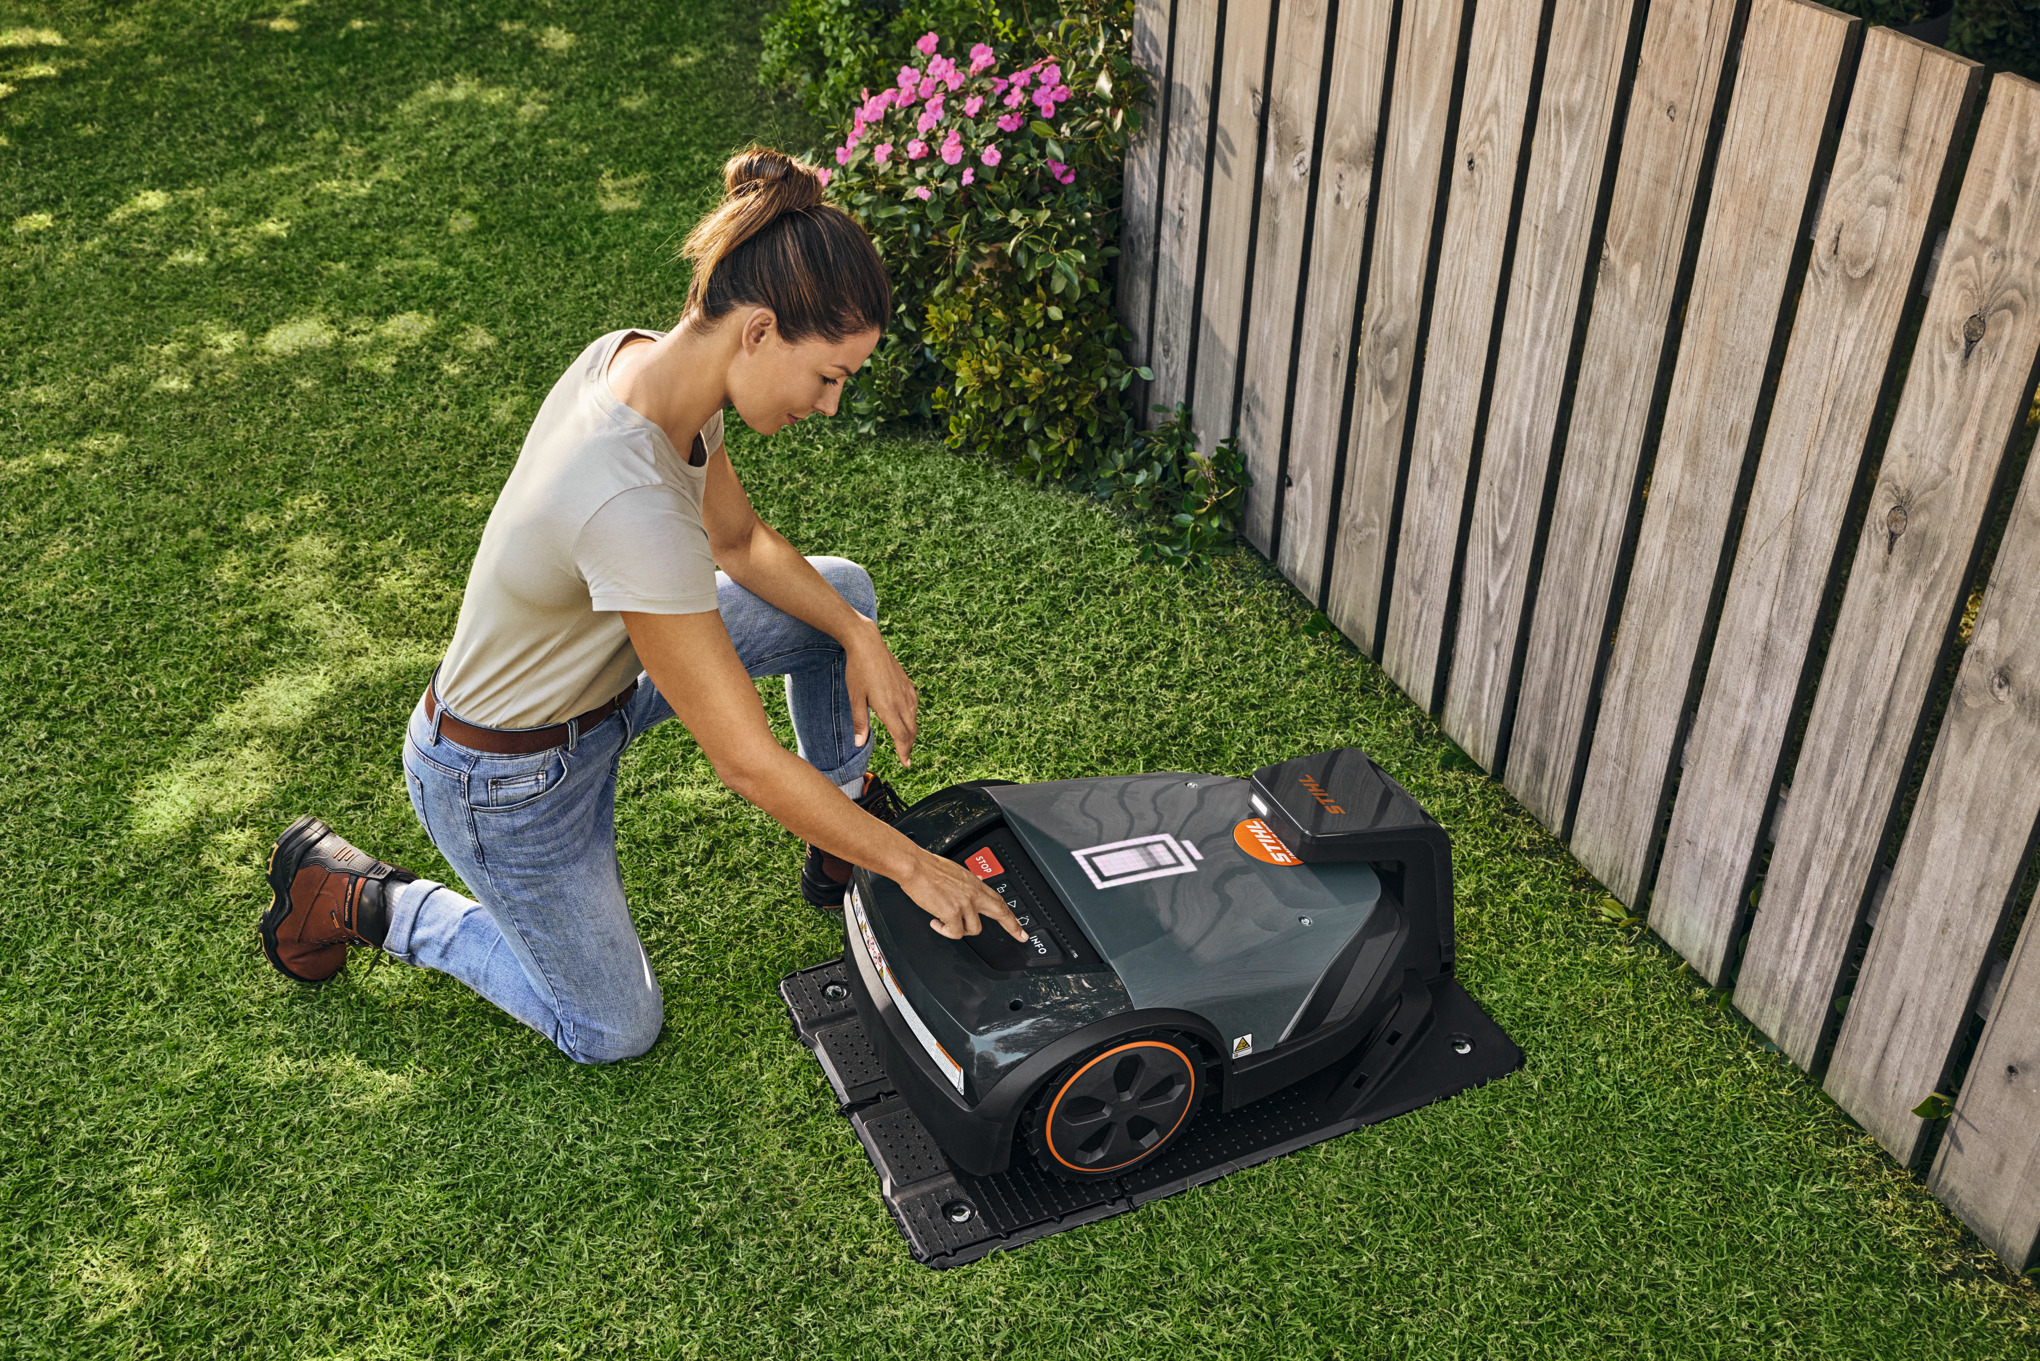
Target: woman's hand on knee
[[878, 684]]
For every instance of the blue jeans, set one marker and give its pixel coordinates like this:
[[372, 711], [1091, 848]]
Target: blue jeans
[[534, 836]]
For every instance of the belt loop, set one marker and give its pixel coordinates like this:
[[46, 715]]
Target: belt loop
[[573, 733], [434, 703]]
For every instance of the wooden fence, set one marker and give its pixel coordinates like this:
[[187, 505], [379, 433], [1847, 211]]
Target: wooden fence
[[1641, 382]]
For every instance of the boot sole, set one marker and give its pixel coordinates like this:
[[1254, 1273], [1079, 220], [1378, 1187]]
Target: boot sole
[[284, 858]]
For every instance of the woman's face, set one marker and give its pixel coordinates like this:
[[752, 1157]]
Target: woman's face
[[773, 384]]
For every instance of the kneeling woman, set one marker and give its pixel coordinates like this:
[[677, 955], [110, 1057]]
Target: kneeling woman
[[595, 610]]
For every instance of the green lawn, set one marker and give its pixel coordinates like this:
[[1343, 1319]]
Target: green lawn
[[281, 289]]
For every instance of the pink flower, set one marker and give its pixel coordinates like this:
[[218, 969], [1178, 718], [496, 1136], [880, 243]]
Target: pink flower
[[909, 77], [944, 70], [981, 56], [969, 175], [922, 193], [929, 85], [882, 152], [842, 155], [1014, 96], [1051, 74], [825, 175], [928, 42], [1061, 173], [999, 84], [930, 116], [1044, 102], [990, 155], [952, 147], [916, 149], [1022, 76], [1062, 93], [972, 105], [1010, 122]]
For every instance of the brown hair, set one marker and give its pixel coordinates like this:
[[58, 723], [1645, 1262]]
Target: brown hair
[[773, 243]]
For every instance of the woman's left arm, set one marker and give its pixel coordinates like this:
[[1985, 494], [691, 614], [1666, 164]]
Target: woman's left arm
[[760, 560]]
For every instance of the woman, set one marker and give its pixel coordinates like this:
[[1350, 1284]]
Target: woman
[[595, 610]]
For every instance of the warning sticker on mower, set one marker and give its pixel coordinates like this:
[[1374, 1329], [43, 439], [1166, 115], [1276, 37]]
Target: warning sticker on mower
[[1243, 1046], [1258, 839], [951, 1069]]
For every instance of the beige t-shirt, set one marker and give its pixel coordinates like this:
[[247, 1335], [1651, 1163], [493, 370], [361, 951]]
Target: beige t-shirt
[[600, 514]]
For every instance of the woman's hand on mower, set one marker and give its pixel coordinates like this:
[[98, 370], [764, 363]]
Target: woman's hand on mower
[[878, 684], [957, 899]]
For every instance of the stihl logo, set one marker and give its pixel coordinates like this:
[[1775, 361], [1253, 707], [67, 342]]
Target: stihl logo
[[1258, 839], [1317, 791]]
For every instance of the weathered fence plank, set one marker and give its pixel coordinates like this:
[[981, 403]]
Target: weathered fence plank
[[1500, 64], [1970, 373], [1785, 102], [1891, 165], [1972, 822], [1139, 194], [1182, 202], [1390, 325], [1988, 1169], [1671, 112], [1960, 861], [1568, 160], [1291, 151], [1229, 224], [1338, 254]]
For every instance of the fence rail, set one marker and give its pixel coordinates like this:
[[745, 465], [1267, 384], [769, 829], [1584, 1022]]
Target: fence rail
[[1642, 383]]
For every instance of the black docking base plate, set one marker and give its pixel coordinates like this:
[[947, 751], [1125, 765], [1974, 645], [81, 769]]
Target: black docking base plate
[[950, 1217]]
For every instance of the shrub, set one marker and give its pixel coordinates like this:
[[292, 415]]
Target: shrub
[[991, 186]]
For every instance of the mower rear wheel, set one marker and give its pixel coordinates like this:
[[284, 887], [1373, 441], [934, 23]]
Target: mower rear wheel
[[1111, 1112]]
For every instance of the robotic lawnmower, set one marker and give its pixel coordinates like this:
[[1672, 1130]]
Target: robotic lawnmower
[[1217, 971]]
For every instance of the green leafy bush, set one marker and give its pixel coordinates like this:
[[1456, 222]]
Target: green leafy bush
[[990, 184], [826, 50], [2002, 33]]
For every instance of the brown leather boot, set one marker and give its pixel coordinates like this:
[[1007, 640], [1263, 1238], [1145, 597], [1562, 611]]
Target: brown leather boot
[[824, 878], [327, 896]]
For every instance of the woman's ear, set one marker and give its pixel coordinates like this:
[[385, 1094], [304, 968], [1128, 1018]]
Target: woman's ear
[[757, 326]]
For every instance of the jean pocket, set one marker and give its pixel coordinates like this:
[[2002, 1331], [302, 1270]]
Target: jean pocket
[[501, 783]]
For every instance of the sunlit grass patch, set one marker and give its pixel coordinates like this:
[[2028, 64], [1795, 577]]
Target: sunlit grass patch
[[296, 336], [30, 37], [33, 222], [556, 39], [41, 70], [186, 258], [460, 222], [147, 201], [209, 786], [619, 195]]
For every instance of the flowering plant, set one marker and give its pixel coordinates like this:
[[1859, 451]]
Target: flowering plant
[[990, 185]]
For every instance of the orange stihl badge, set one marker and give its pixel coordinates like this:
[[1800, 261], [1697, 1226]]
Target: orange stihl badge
[[1258, 839], [984, 864]]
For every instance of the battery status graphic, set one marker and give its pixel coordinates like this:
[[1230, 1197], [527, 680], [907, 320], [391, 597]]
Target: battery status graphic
[[1130, 862]]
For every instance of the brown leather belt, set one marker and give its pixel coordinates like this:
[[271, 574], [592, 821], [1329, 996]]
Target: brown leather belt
[[520, 741]]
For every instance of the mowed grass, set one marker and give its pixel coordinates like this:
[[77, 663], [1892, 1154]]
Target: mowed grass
[[280, 288]]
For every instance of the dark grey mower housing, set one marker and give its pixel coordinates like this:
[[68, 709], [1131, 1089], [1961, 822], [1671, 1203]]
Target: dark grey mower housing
[[1290, 930]]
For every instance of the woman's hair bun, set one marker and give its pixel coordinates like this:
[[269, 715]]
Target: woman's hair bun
[[786, 184]]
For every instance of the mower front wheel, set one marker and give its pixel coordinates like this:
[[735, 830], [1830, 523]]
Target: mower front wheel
[[1113, 1111]]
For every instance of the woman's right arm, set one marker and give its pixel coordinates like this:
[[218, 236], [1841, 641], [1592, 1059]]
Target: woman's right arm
[[694, 664]]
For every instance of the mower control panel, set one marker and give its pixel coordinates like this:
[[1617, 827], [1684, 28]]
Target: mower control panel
[[1053, 940]]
